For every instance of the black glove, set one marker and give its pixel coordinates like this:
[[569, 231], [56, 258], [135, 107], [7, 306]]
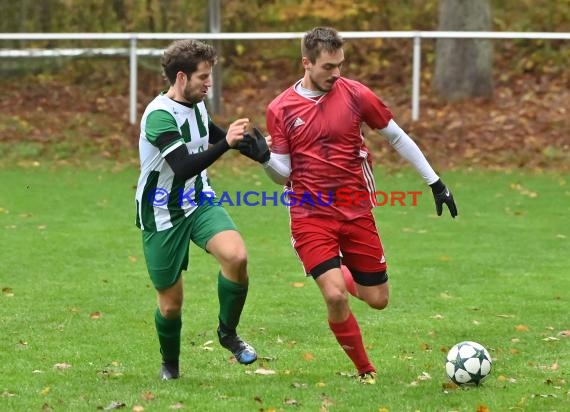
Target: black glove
[[441, 195], [254, 147]]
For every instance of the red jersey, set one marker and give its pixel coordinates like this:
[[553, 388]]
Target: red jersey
[[330, 163]]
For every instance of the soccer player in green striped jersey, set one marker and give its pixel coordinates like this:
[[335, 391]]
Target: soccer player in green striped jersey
[[178, 141]]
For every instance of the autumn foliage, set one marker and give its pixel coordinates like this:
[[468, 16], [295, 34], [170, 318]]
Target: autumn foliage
[[82, 104]]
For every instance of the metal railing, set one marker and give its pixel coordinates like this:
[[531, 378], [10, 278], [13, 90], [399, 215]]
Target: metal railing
[[133, 51]]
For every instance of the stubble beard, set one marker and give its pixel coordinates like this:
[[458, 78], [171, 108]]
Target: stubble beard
[[319, 88]]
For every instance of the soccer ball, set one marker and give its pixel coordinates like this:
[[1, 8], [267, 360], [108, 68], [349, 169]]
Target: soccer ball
[[468, 363]]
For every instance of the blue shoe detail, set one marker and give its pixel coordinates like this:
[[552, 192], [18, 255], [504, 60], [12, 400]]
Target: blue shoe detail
[[243, 352]]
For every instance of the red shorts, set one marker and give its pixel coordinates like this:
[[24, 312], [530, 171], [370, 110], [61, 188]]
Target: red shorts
[[317, 240]]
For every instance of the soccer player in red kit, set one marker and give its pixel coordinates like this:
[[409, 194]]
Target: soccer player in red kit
[[318, 150]]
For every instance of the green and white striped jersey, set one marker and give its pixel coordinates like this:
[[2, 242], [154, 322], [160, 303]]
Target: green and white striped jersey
[[162, 199]]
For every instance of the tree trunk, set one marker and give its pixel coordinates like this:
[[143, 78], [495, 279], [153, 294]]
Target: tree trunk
[[464, 66], [121, 13], [150, 16]]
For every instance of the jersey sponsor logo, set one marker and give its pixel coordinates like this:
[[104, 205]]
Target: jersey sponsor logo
[[298, 122]]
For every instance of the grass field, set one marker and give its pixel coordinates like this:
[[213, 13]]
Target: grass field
[[76, 308]]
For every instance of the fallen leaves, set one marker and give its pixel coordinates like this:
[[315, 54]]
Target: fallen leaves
[[264, 372], [115, 405], [449, 385], [503, 378], [543, 395], [523, 191], [6, 291], [207, 346], [95, 315], [308, 356], [423, 377], [113, 370], [554, 367], [326, 402]]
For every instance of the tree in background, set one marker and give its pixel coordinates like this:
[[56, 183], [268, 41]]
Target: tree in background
[[463, 67]]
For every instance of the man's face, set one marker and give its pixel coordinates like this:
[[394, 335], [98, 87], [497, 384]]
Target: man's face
[[198, 83], [325, 71]]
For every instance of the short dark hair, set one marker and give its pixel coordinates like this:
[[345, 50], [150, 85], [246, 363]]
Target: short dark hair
[[319, 39], [184, 56]]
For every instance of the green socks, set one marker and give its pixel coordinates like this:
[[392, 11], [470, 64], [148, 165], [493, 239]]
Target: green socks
[[168, 336], [232, 299]]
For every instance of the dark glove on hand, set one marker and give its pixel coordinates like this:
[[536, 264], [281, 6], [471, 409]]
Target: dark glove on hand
[[441, 195], [254, 147]]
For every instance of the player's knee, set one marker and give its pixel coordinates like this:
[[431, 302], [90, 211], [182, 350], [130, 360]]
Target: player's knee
[[378, 303], [336, 299], [235, 258], [238, 259], [171, 310]]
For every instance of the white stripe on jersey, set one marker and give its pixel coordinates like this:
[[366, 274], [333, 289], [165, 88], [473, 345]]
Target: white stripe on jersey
[[172, 148], [367, 174]]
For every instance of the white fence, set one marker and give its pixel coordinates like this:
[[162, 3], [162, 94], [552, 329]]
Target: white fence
[[133, 51]]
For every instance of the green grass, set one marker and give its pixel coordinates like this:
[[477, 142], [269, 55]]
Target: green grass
[[75, 293]]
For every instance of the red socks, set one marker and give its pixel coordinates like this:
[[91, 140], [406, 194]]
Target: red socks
[[348, 335]]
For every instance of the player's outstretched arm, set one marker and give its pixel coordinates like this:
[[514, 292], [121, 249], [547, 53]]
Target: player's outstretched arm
[[410, 151], [185, 164]]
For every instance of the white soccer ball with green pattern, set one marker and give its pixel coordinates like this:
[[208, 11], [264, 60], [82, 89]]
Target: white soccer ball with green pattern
[[468, 363]]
